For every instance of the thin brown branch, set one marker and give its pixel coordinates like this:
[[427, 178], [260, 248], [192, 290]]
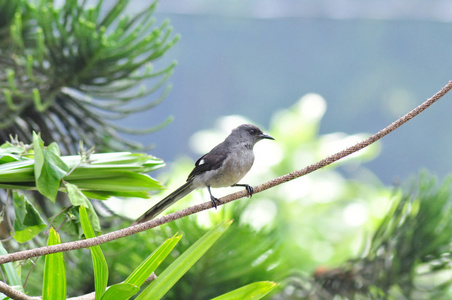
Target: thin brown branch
[[206, 205], [14, 294]]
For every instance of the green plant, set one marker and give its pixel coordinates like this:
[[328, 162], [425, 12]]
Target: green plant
[[406, 257], [66, 68], [54, 283], [99, 176]]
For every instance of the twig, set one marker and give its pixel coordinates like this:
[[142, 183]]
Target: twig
[[21, 255], [14, 294]]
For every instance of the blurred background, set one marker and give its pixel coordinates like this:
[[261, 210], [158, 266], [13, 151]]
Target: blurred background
[[371, 62], [318, 76]]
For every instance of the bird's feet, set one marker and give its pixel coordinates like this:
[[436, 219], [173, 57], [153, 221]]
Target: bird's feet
[[250, 190], [248, 187], [214, 201]]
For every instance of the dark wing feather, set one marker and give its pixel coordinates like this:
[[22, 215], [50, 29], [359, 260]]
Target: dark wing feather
[[210, 161]]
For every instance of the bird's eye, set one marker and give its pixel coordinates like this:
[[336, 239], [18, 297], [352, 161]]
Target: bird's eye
[[252, 131]]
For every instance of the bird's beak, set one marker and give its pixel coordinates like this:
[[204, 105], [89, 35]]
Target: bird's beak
[[266, 136]]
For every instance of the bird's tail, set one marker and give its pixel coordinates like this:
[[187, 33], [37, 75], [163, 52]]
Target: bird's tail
[[169, 200]]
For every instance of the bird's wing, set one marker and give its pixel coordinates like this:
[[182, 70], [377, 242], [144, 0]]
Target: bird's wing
[[210, 161]]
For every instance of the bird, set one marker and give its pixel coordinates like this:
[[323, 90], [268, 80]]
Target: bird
[[225, 165]]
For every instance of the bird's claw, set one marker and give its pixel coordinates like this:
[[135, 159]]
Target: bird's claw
[[214, 201], [250, 190]]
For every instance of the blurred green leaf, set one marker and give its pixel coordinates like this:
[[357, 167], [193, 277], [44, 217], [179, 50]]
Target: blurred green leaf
[[145, 269], [120, 174], [78, 199], [28, 222], [121, 291], [253, 291], [68, 221], [104, 195], [12, 277], [99, 262], [132, 284], [182, 264], [7, 158], [119, 181], [49, 168], [54, 283]]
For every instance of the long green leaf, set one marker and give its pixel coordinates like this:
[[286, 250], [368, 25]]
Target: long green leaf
[[9, 270], [49, 168], [253, 291], [117, 181], [182, 264], [99, 262], [120, 291], [145, 269], [54, 283], [104, 195], [132, 284]]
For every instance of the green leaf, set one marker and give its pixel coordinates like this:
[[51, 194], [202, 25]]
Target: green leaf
[[132, 284], [68, 221], [9, 270], [117, 181], [182, 264], [253, 291], [99, 262], [28, 222], [54, 283], [77, 198], [121, 291], [118, 174], [104, 195], [145, 269], [8, 158], [49, 169]]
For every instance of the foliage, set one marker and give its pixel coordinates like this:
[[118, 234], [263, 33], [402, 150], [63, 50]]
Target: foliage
[[10, 274], [408, 256], [28, 222], [54, 283], [98, 176], [66, 68]]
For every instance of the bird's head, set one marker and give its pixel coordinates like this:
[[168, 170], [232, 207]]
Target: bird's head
[[250, 133]]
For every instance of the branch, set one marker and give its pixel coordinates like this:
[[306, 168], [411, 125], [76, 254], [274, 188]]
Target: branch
[[15, 294], [21, 255]]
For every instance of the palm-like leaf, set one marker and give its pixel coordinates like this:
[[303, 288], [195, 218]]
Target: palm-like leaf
[[67, 71]]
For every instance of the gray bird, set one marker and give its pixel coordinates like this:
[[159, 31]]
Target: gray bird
[[223, 166]]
